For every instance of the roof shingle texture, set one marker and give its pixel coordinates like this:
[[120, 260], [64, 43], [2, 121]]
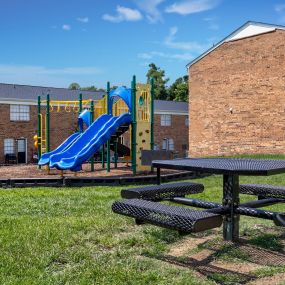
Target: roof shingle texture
[[27, 92]]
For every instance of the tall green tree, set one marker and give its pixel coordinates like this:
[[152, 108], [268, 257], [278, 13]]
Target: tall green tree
[[160, 81], [178, 91], [74, 86]]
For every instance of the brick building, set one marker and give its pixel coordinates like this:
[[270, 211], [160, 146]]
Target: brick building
[[18, 124], [237, 94]]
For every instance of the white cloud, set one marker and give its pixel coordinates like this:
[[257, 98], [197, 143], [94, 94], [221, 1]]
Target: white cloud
[[191, 6], [189, 50], [41, 75], [123, 14], [145, 55], [83, 20], [150, 7], [212, 23], [66, 27], [41, 70], [279, 8], [152, 54], [189, 46]]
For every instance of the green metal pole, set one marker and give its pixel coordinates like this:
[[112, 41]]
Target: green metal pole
[[48, 125], [92, 119], [152, 116], [116, 153], [79, 110], [39, 130], [134, 127], [108, 112], [80, 103], [103, 156]]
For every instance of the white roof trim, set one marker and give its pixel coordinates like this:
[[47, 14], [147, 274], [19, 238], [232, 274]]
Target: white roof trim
[[249, 29], [10, 101]]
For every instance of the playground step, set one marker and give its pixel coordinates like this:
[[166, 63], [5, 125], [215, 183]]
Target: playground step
[[160, 192], [122, 149], [184, 220], [266, 191], [120, 131]]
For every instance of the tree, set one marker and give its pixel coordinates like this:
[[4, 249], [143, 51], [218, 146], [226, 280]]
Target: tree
[[160, 81], [74, 86], [113, 87], [178, 91]]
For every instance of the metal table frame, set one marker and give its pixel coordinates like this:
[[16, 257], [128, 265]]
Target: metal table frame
[[230, 207]]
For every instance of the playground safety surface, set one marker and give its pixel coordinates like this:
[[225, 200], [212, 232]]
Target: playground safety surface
[[32, 171], [31, 176]]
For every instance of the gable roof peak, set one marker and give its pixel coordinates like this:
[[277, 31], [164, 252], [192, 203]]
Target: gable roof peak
[[248, 29]]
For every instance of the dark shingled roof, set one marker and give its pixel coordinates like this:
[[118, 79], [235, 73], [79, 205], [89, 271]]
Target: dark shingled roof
[[26, 92], [170, 106], [30, 93]]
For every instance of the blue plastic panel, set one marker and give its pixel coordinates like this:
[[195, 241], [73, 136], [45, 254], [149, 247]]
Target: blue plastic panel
[[124, 93], [46, 156]]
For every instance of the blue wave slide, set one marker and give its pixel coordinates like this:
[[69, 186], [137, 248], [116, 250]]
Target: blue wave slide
[[46, 156], [89, 142]]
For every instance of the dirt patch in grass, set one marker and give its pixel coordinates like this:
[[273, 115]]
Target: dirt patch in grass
[[243, 262], [188, 245], [277, 279], [247, 267], [32, 171]]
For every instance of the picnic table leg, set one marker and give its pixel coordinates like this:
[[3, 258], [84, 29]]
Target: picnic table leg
[[158, 178], [231, 200]]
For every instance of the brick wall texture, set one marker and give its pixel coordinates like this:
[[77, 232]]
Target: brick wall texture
[[177, 131], [246, 76], [64, 124]]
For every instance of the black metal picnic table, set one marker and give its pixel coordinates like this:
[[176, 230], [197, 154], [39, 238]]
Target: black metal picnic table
[[231, 169]]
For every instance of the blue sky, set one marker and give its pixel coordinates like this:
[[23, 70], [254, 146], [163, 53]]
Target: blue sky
[[56, 42]]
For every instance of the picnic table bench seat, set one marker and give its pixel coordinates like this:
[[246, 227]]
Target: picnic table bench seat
[[184, 220], [263, 190], [163, 191]]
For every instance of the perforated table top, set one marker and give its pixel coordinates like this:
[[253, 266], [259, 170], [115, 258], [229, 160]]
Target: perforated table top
[[240, 166]]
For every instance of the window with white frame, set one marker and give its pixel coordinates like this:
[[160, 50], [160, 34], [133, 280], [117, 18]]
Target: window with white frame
[[9, 146], [164, 144], [187, 122], [168, 144], [19, 113], [165, 120]]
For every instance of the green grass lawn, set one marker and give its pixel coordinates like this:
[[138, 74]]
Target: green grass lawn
[[70, 236]]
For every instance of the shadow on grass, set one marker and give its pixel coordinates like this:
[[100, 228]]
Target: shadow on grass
[[265, 250]]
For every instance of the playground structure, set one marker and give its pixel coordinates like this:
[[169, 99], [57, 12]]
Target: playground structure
[[107, 120]]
